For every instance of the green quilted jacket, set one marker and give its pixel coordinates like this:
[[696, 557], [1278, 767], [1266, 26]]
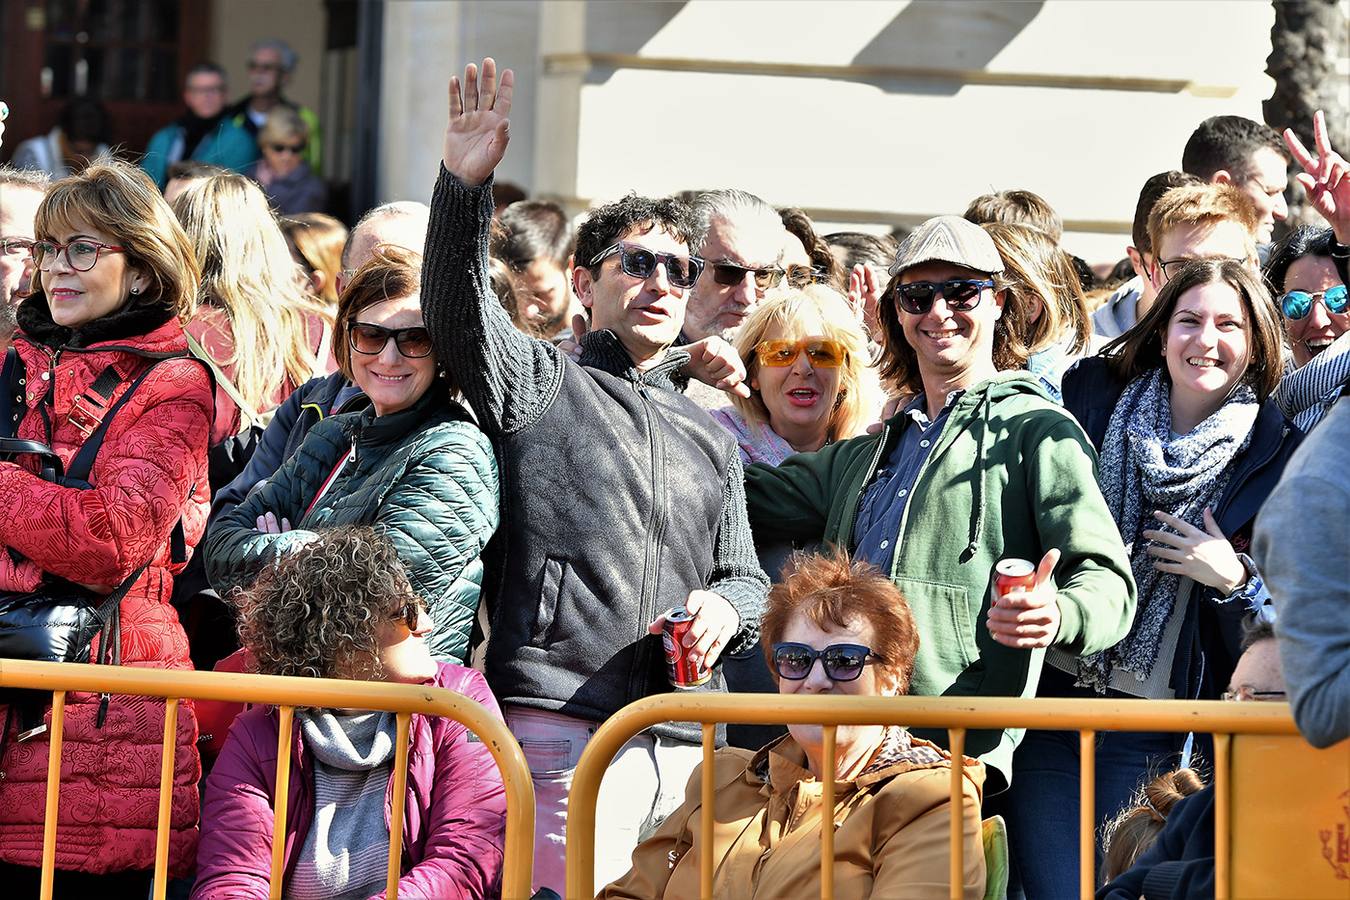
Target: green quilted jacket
[[425, 477]]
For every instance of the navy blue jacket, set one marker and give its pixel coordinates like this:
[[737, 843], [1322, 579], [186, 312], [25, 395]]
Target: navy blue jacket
[[1180, 864], [1207, 648], [307, 405]]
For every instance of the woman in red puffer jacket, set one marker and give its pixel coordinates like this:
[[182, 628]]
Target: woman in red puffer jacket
[[115, 279]]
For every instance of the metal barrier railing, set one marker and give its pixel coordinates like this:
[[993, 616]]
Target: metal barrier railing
[[956, 714], [285, 693]]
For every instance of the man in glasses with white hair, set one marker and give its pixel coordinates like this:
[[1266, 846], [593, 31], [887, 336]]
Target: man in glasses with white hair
[[621, 498]]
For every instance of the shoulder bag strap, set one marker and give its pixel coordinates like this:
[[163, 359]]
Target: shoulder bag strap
[[248, 416]]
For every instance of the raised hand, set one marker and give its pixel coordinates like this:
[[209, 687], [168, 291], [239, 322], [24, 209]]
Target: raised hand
[[479, 127], [572, 345], [864, 295], [1325, 177]]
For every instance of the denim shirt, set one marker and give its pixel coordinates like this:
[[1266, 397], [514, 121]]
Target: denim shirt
[[883, 504]]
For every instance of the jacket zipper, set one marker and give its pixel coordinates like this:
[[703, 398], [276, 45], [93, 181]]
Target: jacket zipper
[[656, 526]]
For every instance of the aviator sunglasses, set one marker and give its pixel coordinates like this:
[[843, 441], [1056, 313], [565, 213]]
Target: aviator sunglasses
[[639, 262], [822, 353], [370, 340], [841, 662], [961, 294], [1297, 304]]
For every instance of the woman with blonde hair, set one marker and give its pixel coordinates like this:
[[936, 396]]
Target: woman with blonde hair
[[806, 362], [287, 180], [1042, 280], [316, 241], [256, 321], [100, 346]]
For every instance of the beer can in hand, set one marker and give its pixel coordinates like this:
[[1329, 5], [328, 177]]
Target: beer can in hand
[[1013, 575], [679, 669]]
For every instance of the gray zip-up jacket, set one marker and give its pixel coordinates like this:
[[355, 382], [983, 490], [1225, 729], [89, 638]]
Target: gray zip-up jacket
[[619, 495]]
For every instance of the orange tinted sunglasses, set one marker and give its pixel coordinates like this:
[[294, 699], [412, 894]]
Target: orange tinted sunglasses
[[823, 353]]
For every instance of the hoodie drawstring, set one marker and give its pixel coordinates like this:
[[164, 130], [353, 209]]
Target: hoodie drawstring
[[977, 517]]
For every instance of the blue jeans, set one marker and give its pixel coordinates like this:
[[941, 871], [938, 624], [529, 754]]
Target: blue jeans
[[1041, 808]]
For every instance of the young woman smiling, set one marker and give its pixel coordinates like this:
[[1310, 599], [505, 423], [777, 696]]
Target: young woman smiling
[[1190, 447], [806, 362], [413, 464]]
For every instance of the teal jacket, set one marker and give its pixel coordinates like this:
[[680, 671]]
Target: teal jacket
[[229, 147], [425, 477], [1011, 475]]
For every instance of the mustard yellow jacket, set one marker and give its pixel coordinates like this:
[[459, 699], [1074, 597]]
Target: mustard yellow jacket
[[891, 829]]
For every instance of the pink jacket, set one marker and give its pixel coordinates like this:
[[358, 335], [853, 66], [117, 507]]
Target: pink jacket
[[454, 821]]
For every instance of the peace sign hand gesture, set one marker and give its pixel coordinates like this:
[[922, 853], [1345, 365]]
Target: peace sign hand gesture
[[1325, 177], [479, 128]]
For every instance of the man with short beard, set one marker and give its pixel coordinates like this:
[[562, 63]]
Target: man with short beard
[[21, 191]]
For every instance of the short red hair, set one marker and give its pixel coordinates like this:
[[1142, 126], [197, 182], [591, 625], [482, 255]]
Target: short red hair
[[833, 591]]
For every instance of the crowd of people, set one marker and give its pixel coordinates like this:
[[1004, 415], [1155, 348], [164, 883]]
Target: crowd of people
[[472, 446]]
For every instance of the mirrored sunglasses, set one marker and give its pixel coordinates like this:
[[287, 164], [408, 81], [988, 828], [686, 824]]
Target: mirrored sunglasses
[[961, 294], [1297, 304], [841, 662], [639, 262]]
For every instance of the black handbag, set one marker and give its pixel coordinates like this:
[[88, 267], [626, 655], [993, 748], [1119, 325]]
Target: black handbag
[[58, 621]]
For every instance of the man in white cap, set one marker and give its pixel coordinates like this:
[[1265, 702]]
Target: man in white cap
[[979, 467]]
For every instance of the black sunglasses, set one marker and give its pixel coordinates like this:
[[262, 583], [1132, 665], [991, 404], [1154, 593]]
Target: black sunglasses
[[639, 262], [841, 662], [287, 148], [961, 294], [410, 614], [731, 274], [370, 340]]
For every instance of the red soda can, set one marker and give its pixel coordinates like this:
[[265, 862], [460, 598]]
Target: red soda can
[[681, 672], [1013, 574]]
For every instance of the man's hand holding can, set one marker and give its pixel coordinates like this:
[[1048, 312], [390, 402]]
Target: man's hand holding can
[[1028, 617], [714, 623]]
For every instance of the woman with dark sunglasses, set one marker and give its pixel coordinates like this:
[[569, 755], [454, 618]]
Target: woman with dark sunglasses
[[838, 627], [343, 607], [1307, 274], [413, 464], [282, 172], [806, 361]]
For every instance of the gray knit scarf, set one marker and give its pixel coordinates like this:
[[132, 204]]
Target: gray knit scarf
[[1144, 468]]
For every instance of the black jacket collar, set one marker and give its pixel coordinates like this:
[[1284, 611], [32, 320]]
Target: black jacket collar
[[602, 350], [132, 320]]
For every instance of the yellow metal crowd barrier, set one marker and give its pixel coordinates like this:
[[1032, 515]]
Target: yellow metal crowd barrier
[[957, 715], [285, 693]]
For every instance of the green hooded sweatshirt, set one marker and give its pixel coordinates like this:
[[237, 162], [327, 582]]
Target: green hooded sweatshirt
[[1011, 475]]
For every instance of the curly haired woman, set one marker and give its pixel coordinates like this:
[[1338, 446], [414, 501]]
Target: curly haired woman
[[342, 607]]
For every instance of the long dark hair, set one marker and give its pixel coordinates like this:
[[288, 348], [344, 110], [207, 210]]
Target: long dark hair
[[1141, 348]]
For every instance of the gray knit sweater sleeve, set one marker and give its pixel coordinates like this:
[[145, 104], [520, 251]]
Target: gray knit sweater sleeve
[[508, 378], [1315, 383], [736, 574]]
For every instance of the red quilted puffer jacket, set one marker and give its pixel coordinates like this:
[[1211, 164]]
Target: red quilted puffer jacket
[[150, 472]]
